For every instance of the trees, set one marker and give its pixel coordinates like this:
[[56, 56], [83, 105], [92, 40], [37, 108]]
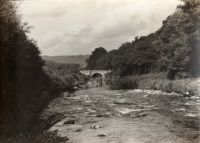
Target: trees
[[96, 58], [8, 22], [174, 46], [137, 57], [25, 87], [189, 4], [181, 30]]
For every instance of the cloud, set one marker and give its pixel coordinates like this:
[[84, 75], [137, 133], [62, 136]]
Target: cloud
[[78, 26]]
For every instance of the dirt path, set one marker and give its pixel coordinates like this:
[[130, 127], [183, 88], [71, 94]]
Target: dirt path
[[100, 115]]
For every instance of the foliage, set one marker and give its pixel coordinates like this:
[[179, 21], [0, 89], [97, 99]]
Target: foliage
[[44, 137], [25, 87], [97, 56], [188, 4], [173, 48], [65, 76], [180, 35]]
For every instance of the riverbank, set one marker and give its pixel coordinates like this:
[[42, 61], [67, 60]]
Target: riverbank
[[158, 81], [61, 78], [75, 114]]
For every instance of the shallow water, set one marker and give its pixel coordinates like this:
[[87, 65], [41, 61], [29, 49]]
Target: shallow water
[[132, 116]]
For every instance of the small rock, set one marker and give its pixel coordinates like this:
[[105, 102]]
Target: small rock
[[100, 115], [69, 122], [139, 115], [95, 127], [78, 130], [101, 135], [186, 94], [142, 115], [120, 101], [67, 94], [72, 95], [75, 87]]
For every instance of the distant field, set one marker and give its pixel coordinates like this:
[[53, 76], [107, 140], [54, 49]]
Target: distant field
[[79, 59]]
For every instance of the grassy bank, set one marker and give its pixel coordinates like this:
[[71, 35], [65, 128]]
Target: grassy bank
[[157, 81]]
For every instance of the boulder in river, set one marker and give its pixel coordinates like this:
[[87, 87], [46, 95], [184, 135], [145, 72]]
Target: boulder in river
[[99, 115], [101, 135], [69, 122]]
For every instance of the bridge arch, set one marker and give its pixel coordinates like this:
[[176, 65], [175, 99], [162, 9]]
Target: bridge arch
[[92, 72], [96, 75]]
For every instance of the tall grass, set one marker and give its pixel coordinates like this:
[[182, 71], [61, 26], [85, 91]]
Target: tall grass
[[156, 81], [128, 82]]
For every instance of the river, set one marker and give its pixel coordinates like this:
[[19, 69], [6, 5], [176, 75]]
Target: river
[[101, 115]]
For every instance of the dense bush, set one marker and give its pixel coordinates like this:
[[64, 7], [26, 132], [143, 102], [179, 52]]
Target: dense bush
[[25, 87], [45, 137], [65, 76]]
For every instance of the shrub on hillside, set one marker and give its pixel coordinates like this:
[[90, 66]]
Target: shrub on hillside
[[65, 76]]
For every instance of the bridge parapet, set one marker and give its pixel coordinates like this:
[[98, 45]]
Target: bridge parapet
[[92, 72]]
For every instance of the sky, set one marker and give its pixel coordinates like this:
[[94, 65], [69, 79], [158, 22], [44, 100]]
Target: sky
[[73, 27]]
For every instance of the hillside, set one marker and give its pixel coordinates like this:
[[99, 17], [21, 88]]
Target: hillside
[[174, 48], [65, 76], [78, 59]]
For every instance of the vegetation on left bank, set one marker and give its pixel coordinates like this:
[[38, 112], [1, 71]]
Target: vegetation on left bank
[[26, 85]]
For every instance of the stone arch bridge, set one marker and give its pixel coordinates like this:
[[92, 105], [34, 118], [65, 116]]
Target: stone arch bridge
[[94, 73], [97, 77]]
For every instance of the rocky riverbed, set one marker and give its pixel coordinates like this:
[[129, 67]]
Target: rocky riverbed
[[100, 115]]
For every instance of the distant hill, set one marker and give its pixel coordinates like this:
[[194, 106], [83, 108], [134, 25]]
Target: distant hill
[[76, 59]]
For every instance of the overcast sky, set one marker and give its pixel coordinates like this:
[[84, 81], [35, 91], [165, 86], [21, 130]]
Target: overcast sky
[[71, 27]]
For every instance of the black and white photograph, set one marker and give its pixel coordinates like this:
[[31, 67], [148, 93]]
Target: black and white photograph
[[99, 71]]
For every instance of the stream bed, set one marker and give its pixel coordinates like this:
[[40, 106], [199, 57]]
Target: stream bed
[[101, 115]]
